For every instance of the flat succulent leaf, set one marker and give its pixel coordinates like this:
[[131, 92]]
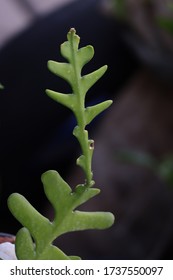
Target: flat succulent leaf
[[24, 213], [84, 55], [81, 162], [81, 220], [90, 79], [82, 194], [93, 111], [63, 199], [77, 132], [67, 100], [56, 189], [24, 240], [61, 69], [70, 47]]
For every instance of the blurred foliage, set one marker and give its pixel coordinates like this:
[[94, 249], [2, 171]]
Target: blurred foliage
[[166, 23], [119, 8], [162, 168]]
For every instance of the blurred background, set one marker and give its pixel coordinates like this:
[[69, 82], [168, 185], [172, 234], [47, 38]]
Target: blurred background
[[133, 159]]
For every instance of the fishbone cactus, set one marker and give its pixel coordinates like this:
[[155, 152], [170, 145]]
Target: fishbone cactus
[[35, 240]]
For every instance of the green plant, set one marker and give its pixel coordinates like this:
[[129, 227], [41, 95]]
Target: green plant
[[34, 240]]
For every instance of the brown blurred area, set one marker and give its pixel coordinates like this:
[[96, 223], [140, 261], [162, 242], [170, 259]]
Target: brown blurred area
[[140, 121]]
